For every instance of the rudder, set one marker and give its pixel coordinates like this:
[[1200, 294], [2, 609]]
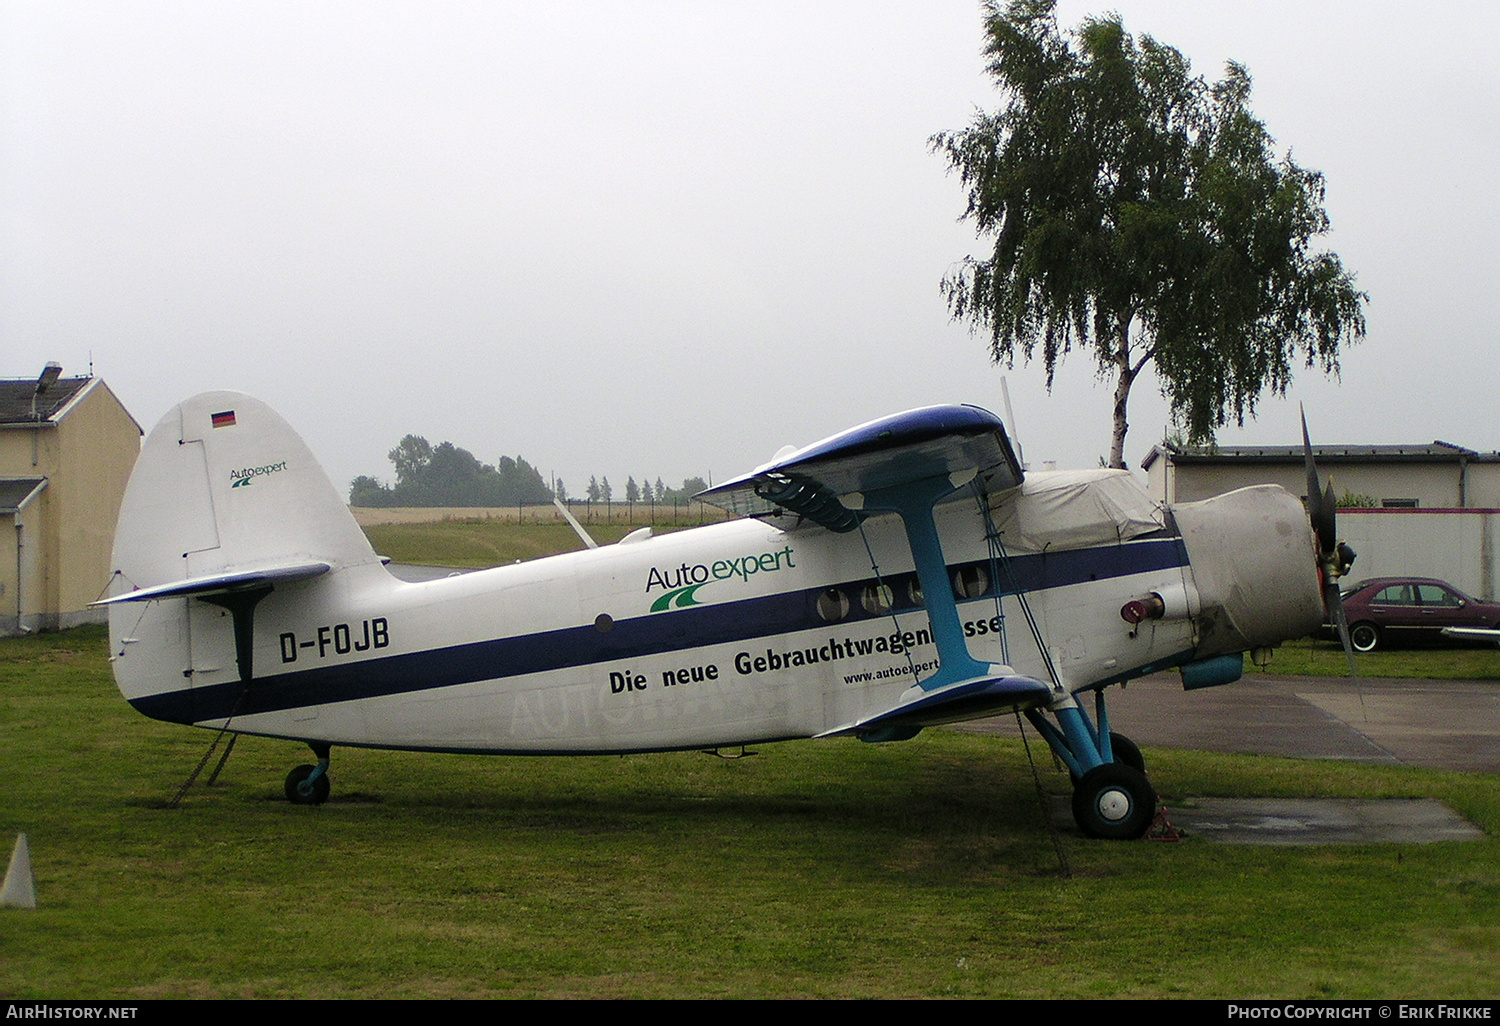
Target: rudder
[[225, 500], [224, 485]]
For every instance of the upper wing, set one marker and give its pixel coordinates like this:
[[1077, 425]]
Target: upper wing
[[825, 481]]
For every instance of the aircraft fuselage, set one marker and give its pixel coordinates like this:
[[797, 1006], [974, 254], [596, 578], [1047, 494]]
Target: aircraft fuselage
[[727, 634], [902, 574]]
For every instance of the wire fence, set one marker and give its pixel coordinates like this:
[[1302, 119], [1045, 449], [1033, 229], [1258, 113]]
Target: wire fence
[[687, 513]]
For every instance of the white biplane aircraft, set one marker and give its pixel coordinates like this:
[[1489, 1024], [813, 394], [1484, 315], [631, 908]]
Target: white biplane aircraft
[[872, 588]]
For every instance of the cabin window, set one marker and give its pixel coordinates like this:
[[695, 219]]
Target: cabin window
[[971, 581], [876, 598], [833, 605], [914, 591]]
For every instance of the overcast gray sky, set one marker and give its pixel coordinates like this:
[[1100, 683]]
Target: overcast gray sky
[[664, 238]]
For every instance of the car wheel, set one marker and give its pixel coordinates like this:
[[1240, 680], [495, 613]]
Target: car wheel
[[1365, 637]]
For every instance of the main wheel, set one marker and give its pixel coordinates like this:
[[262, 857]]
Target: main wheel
[[1126, 752], [1114, 802], [302, 791], [1365, 637]]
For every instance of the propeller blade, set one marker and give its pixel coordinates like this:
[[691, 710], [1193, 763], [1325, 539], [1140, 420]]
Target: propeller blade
[[1313, 489], [1328, 533], [1334, 557], [1322, 504], [1333, 601]]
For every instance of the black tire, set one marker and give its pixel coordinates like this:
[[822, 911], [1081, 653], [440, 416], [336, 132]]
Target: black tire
[[1114, 802], [1126, 752], [300, 792], [1364, 637]]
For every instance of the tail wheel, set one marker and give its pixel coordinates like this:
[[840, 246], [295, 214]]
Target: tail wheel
[[1365, 637], [300, 790], [1114, 802]]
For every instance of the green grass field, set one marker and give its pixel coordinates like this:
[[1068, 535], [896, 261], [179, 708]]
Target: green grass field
[[473, 544], [1439, 660], [832, 869]]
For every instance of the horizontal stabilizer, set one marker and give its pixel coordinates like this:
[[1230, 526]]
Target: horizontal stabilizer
[[965, 700], [934, 441], [215, 584]]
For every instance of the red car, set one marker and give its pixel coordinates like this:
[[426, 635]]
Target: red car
[[1387, 609]]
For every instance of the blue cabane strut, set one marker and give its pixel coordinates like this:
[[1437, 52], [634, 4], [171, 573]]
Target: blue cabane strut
[[906, 464]]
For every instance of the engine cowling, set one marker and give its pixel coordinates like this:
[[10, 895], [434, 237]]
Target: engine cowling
[[1255, 568]]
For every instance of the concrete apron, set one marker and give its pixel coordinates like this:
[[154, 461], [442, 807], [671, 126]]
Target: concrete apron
[[1438, 724]]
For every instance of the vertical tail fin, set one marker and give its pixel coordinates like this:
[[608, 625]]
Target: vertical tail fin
[[225, 487], [225, 504]]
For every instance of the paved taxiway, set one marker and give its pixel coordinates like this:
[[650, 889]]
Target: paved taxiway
[[1439, 724], [1436, 723]]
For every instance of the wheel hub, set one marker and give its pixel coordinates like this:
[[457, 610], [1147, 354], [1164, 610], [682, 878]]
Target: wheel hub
[[1114, 805]]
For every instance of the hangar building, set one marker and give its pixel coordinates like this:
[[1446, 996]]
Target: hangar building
[[67, 447], [1425, 510]]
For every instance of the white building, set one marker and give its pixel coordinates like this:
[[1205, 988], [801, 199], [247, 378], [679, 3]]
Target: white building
[[67, 447], [1425, 510]]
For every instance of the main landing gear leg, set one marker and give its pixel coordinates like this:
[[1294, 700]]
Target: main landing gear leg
[[1112, 799], [309, 785]]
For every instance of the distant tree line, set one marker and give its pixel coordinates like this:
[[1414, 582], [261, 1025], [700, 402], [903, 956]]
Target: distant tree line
[[446, 475], [600, 490]]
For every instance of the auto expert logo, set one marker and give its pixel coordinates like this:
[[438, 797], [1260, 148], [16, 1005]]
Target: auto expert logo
[[243, 477], [680, 584]]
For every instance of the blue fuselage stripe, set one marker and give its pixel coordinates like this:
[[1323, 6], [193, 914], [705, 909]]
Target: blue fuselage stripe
[[651, 635]]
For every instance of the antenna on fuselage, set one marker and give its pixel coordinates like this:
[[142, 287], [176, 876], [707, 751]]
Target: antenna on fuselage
[[1010, 422], [574, 523]]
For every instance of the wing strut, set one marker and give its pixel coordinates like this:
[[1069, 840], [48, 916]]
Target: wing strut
[[963, 686], [997, 547], [1079, 744], [913, 502], [574, 524]]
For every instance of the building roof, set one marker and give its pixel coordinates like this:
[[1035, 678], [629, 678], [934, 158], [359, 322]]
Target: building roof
[[1242, 455], [16, 396], [16, 492]]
